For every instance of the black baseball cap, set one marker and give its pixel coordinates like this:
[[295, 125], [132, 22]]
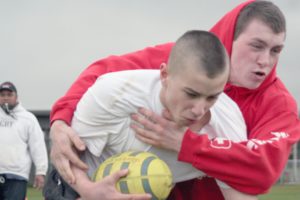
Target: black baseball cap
[[8, 86]]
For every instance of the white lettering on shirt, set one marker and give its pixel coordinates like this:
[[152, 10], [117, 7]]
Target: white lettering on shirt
[[255, 143]]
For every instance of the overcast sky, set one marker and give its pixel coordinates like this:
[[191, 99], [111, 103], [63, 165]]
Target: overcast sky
[[45, 44]]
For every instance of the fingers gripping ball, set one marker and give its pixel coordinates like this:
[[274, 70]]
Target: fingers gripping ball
[[147, 174]]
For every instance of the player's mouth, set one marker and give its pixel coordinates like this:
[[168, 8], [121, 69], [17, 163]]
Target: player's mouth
[[259, 75], [190, 121]]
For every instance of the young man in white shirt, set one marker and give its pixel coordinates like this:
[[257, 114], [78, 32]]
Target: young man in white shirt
[[187, 86]]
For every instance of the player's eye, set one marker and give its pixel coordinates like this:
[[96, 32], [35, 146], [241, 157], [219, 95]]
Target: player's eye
[[191, 94], [256, 46], [212, 98]]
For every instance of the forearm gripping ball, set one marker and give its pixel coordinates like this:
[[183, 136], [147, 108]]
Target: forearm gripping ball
[[147, 174]]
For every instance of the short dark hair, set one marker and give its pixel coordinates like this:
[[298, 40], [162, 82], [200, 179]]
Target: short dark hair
[[265, 11], [200, 48]]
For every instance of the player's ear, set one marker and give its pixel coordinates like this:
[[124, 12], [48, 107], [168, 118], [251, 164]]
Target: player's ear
[[163, 73]]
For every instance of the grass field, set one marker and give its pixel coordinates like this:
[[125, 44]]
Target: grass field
[[283, 192], [278, 192]]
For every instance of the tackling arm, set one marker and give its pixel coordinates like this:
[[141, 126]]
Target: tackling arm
[[149, 58]]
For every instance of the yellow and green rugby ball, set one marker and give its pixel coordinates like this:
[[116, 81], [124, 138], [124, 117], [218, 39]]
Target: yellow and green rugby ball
[[147, 174]]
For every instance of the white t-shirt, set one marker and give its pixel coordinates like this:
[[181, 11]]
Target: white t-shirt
[[102, 119]]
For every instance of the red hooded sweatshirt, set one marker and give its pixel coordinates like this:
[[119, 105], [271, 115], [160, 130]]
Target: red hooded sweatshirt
[[273, 127], [270, 113]]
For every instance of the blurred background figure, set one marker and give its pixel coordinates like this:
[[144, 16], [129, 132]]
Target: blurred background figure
[[22, 142]]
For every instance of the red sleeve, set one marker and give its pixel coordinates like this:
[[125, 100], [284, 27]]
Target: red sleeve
[[148, 58], [252, 166]]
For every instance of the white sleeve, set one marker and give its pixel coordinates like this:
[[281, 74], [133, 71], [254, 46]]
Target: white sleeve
[[227, 120], [37, 146], [97, 118]]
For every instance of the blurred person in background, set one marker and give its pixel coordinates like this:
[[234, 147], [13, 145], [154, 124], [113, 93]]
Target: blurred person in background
[[22, 142]]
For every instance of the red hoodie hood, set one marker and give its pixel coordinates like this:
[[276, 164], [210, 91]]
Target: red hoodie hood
[[225, 29]]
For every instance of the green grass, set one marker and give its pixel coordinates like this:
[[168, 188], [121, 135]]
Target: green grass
[[278, 192], [34, 194]]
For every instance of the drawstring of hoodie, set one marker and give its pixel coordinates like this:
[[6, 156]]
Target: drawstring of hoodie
[[8, 109]]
